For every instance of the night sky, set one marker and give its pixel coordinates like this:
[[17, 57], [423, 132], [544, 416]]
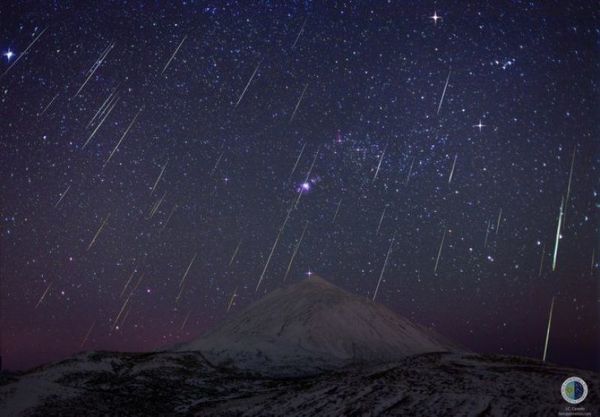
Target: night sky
[[217, 131]]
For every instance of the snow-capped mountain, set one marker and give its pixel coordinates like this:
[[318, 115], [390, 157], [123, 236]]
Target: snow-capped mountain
[[310, 326]]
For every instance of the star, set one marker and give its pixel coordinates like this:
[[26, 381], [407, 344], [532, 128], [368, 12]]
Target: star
[[9, 54], [479, 125], [435, 17]]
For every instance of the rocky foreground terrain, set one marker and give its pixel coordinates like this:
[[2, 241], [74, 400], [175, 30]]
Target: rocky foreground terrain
[[186, 384]]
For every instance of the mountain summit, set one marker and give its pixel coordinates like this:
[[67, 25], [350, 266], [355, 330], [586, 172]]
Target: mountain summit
[[311, 326]]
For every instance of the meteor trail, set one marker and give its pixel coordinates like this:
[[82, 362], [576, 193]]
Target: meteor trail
[[409, 171], [98, 232], [569, 185], [173, 56], [105, 105], [452, 170], [120, 312], [299, 33], [439, 252], [379, 164], [298, 103], [122, 137], [232, 299], [295, 252], [23, 54], [297, 160], [380, 221], [185, 320], [548, 330], [114, 103], [384, 265], [48, 105], [62, 195], [498, 222], [169, 218], [216, 164], [248, 84], [128, 281], [87, 335], [306, 179], [487, 233], [235, 252], [444, 92], [159, 177], [542, 260], [560, 216], [43, 296], [187, 271], [95, 67], [336, 211]]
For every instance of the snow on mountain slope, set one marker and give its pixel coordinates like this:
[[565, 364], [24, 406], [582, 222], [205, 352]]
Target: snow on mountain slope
[[310, 326]]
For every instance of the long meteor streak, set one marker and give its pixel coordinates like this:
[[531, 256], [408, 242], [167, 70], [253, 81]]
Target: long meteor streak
[[95, 67], [548, 330], [173, 56], [437, 260], [387, 256], [248, 84], [452, 170], [560, 216], [297, 160], [122, 137], [98, 232], [43, 296], [63, 195], [23, 54], [298, 103], [287, 271], [110, 109], [444, 92]]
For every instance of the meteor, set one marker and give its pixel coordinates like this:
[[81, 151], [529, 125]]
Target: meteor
[[159, 177], [295, 252], [23, 54], [380, 220], [569, 185], [122, 138], [297, 160], [248, 84], [235, 252], [542, 260], [48, 106], [187, 270], [43, 296], [336, 211], [444, 92], [87, 335], [379, 164], [487, 233], [95, 67], [452, 170], [299, 33], [173, 56], [112, 106], [233, 296], [384, 265], [409, 171], [62, 195], [98, 232], [439, 252], [548, 330], [560, 216], [298, 103], [498, 222]]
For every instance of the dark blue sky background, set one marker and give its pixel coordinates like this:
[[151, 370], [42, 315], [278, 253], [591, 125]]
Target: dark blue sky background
[[373, 74]]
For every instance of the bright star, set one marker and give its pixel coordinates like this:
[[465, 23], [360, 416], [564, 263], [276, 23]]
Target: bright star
[[435, 17], [9, 54], [479, 125]]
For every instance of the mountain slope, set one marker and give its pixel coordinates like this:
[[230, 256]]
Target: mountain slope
[[311, 326]]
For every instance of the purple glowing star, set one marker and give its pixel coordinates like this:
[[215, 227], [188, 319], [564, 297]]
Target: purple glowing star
[[304, 187]]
